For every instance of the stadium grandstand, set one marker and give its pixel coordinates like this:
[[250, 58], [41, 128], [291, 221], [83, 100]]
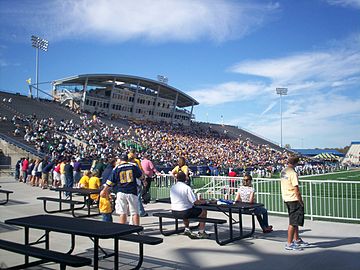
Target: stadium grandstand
[[125, 96], [352, 156], [63, 126]]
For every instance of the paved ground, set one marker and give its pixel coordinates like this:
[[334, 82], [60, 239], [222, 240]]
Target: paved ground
[[333, 245]]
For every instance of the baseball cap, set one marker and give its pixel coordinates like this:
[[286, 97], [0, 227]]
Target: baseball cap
[[124, 157]]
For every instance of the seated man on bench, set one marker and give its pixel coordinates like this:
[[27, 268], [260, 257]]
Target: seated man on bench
[[182, 205]]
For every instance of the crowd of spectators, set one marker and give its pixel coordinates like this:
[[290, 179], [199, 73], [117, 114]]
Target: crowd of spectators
[[92, 139]]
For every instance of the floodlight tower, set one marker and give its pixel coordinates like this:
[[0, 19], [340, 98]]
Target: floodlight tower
[[163, 79], [281, 92], [42, 44]]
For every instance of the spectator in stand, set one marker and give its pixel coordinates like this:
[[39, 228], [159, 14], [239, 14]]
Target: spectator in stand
[[246, 193], [232, 174], [107, 172], [56, 175], [94, 183], [183, 168], [30, 173], [69, 175], [77, 170], [149, 171], [17, 169], [84, 181], [133, 159], [24, 168], [47, 167], [38, 173], [100, 166], [62, 172]]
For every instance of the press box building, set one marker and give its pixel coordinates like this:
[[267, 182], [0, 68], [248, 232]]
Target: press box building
[[125, 96]]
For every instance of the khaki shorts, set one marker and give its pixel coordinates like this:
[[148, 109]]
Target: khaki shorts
[[126, 201]]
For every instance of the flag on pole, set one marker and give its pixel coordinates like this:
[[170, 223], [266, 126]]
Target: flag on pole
[[28, 81]]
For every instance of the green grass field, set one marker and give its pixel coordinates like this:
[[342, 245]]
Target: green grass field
[[341, 176], [331, 196]]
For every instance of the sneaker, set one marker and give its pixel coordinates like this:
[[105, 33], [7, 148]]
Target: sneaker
[[188, 233], [268, 229], [144, 215], [293, 246], [301, 243], [200, 235]]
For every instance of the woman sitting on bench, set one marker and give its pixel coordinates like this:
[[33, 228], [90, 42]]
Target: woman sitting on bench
[[182, 205], [246, 193]]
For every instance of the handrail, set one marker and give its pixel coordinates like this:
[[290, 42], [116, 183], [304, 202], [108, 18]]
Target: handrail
[[22, 146]]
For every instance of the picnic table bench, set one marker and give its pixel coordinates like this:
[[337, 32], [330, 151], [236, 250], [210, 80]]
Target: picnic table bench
[[141, 239], [7, 192], [177, 230], [229, 210], [74, 205], [44, 255]]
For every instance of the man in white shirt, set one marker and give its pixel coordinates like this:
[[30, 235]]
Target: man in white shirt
[[183, 203]]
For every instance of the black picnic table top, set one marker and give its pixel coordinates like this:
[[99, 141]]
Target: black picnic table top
[[82, 191], [69, 225]]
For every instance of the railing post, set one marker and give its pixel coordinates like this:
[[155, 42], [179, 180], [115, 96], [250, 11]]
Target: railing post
[[213, 182], [311, 202]]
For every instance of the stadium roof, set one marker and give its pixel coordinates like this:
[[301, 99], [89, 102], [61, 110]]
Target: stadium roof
[[166, 91], [314, 152]]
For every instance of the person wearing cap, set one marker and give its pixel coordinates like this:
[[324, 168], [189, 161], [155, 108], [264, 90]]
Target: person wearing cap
[[123, 180], [292, 197]]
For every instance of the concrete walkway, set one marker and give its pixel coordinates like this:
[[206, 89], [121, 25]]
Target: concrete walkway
[[333, 245]]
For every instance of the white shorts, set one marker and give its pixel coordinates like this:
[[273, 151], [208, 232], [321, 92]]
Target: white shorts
[[56, 176], [125, 201], [63, 179]]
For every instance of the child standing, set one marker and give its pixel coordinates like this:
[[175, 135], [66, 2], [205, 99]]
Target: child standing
[[105, 208]]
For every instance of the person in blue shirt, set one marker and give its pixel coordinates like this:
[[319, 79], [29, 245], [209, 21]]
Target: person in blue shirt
[[123, 182]]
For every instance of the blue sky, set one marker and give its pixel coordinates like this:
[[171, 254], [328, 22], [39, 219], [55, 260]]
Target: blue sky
[[229, 55]]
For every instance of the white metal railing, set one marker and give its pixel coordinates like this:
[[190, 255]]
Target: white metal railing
[[323, 199]]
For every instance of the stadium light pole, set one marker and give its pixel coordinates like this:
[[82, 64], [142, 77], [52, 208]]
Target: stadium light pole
[[42, 44], [163, 79], [281, 92]]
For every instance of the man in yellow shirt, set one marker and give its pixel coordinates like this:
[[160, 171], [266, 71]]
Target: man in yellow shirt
[[294, 203]]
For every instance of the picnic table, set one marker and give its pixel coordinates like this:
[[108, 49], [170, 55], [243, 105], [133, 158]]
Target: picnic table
[[93, 229], [230, 211], [74, 204]]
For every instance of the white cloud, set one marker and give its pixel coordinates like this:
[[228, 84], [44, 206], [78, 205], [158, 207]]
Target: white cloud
[[157, 21], [271, 105], [324, 120], [306, 70], [227, 92], [351, 3], [322, 108]]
